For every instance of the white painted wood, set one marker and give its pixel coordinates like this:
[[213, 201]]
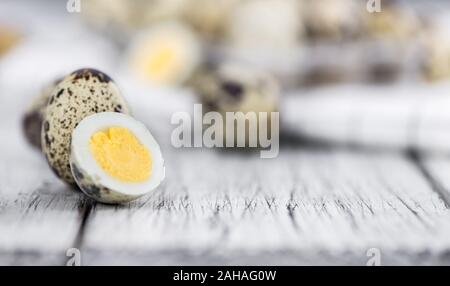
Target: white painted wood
[[225, 207], [39, 216], [228, 207], [437, 168], [299, 208]]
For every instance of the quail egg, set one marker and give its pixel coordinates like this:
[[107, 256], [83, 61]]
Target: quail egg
[[333, 19], [114, 158], [435, 64], [233, 87], [165, 54], [34, 115], [394, 22], [81, 93], [9, 38], [106, 14], [130, 15], [209, 17], [253, 24]]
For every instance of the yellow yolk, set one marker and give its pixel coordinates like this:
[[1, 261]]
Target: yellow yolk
[[120, 154], [159, 64]]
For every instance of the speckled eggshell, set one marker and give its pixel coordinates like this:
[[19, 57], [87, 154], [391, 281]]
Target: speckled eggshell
[[96, 191], [34, 115], [82, 93], [233, 87]]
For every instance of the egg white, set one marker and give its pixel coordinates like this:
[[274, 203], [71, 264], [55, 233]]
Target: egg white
[[108, 189]]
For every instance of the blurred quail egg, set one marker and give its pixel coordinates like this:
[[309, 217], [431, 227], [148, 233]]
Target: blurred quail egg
[[9, 38], [165, 54], [335, 19], [254, 24], [114, 158], [130, 15], [81, 93], [160, 10], [34, 115], [436, 43], [394, 22], [233, 87], [209, 17], [108, 13]]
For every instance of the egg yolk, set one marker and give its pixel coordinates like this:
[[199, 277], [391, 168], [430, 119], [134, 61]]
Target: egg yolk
[[159, 64], [120, 154]]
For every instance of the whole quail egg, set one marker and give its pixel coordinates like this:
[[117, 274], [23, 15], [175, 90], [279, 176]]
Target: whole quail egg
[[396, 21], [130, 15], [34, 115], [233, 87], [209, 17], [81, 93], [333, 19], [107, 15], [114, 158], [435, 64]]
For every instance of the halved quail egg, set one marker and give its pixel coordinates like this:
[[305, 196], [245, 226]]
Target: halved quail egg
[[165, 54], [114, 158]]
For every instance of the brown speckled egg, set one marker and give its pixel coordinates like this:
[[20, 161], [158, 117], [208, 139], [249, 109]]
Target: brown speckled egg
[[34, 115], [233, 87], [81, 93]]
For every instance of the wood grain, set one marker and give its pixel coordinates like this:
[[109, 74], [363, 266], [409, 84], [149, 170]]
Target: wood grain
[[325, 207], [308, 206], [39, 216]]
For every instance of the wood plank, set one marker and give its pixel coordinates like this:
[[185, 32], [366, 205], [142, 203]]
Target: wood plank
[[437, 169], [305, 207], [39, 216]]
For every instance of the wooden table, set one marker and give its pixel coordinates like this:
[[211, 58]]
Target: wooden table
[[308, 206]]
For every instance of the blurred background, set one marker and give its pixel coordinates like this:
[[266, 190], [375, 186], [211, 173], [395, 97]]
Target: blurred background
[[167, 54]]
